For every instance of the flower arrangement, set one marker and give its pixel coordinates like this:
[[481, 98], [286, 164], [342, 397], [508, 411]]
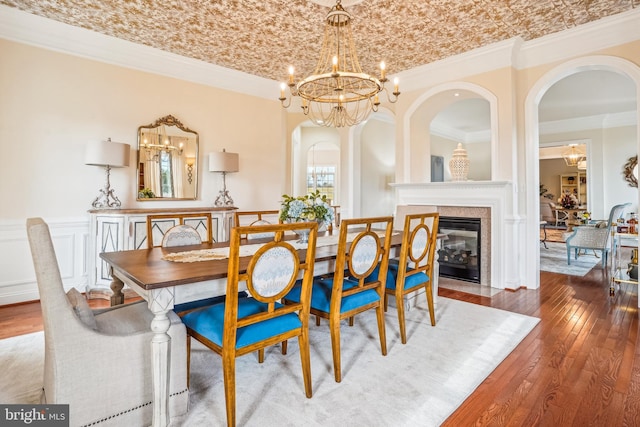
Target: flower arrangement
[[312, 207], [568, 201]]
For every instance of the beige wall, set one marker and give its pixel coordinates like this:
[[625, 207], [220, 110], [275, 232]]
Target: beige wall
[[53, 103], [377, 165]]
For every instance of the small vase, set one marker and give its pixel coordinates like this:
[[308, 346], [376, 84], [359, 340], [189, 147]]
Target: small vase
[[304, 234], [459, 164]]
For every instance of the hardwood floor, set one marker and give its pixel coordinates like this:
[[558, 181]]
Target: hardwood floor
[[578, 367]]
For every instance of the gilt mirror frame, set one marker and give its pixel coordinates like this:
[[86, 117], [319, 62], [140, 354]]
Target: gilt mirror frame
[[630, 171], [167, 161]]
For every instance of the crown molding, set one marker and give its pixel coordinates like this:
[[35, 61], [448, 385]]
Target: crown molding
[[34, 30], [23, 27], [582, 40], [476, 61], [600, 121]]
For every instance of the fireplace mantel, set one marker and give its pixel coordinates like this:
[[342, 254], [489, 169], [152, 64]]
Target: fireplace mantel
[[496, 195]]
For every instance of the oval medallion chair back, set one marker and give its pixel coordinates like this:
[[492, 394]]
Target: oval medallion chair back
[[245, 218], [181, 235], [238, 326], [159, 225], [417, 253], [363, 247]]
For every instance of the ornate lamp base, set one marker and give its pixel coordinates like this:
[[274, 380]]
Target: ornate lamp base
[[106, 199]]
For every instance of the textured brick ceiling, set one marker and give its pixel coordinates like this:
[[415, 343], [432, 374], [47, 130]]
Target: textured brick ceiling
[[263, 37]]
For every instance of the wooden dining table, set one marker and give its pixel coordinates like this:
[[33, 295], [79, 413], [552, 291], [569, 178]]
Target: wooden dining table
[[572, 216], [165, 283]]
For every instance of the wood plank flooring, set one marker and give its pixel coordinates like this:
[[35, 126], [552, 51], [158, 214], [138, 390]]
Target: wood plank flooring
[[578, 367]]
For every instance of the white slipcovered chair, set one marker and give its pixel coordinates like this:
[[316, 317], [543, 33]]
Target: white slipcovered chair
[[595, 237], [99, 362]]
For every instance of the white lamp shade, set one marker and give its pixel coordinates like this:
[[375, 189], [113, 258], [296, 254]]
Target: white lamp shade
[[107, 153], [223, 162]]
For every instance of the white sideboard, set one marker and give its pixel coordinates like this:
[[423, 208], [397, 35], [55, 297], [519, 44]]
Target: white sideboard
[[126, 229]]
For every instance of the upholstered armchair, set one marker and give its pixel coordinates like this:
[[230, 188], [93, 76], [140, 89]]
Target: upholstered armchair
[[547, 211], [594, 237], [99, 362]]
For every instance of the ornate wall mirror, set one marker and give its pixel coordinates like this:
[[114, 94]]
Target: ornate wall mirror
[[167, 161], [630, 171]]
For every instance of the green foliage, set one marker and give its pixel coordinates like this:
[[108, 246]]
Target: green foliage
[[312, 207]]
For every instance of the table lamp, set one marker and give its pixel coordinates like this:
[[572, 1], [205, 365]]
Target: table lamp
[[110, 155], [224, 163]]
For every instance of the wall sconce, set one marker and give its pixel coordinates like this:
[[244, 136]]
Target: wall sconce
[[110, 155], [190, 162], [224, 163]]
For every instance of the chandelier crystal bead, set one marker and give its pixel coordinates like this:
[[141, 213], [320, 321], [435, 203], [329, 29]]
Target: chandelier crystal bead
[[338, 94]]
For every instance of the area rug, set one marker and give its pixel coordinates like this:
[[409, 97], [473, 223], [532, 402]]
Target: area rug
[[554, 235], [419, 383], [554, 259]]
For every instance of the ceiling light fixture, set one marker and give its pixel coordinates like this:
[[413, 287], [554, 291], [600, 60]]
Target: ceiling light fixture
[[154, 143], [574, 155], [338, 93]]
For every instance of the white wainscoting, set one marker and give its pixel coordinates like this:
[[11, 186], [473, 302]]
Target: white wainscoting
[[17, 280]]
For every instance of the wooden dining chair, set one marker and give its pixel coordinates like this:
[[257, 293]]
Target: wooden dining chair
[[239, 326], [362, 249], [414, 267], [159, 224], [245, 218]]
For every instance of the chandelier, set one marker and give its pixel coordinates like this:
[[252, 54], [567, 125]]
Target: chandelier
[[155, 143], [338, 93], [574, 156]]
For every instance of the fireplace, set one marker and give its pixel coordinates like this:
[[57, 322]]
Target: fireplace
[[460, 253], [502, 265]]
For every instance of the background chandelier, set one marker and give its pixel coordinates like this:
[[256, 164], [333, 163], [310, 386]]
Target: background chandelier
[[154, 143], [338, 93], [574, 156]]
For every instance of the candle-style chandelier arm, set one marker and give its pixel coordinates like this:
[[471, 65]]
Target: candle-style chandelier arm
[[338, 93]]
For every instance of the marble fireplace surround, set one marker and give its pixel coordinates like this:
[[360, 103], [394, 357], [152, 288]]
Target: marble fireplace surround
[[485, 234], [491, 201]]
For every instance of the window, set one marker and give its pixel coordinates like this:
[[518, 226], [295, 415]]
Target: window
[[166, 183], [323, 179]]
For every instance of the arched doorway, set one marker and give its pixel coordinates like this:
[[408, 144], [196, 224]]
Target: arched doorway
[[605, 157]]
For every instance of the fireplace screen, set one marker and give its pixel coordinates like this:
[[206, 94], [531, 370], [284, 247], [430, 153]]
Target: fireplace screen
[[459, 254]]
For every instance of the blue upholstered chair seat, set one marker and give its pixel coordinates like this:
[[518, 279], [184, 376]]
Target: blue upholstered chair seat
[[192, 305], [209, 322], [321, 295], [392, 277]]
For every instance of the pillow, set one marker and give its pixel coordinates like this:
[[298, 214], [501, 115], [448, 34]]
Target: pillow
[[602, 224], [81, 308]]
